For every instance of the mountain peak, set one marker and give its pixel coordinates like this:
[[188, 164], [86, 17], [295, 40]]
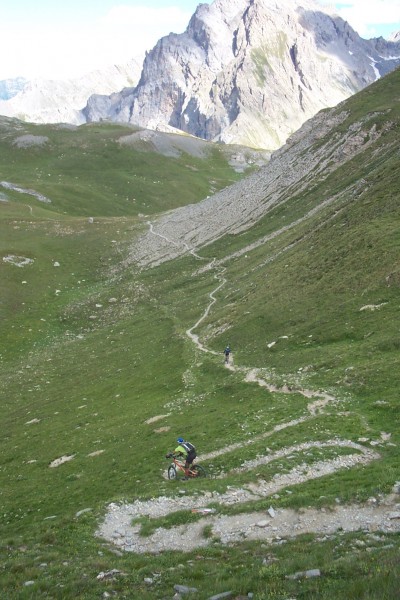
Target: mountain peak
[[249, 72]]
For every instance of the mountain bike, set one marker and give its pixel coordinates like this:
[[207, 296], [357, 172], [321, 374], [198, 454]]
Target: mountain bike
[[178, 467]]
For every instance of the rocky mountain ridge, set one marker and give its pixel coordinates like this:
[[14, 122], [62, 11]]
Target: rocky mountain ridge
[[56, 101], [249, 72], [312, 154]]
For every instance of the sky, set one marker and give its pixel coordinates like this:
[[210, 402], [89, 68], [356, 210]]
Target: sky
[[58, 39]]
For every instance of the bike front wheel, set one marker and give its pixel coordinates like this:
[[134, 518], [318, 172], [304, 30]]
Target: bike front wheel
[[199, 471], [172, 472]]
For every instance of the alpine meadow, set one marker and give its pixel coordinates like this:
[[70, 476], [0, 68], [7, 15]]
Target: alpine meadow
[[129, 260]]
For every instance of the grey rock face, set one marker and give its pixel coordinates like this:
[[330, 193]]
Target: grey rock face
[[249, 72]]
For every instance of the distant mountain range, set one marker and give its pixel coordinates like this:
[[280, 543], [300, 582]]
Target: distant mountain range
[[55, 101], [249, 72], [11, 87]]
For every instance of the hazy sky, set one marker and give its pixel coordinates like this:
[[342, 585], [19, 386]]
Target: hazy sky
[[68, 38]]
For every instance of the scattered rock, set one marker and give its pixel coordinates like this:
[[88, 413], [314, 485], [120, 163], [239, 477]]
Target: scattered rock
[[18, 261], [184, 589], [96, 453], [372, 306], [221, 596], [262, 524], [305, 574], [106, 575], [394, 515], [83, 511], [156, 418], [60, 461]]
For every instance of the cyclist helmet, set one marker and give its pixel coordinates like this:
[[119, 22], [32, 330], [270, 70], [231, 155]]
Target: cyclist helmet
[[180, 440]]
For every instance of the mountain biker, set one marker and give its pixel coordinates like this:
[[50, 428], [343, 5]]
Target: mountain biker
[[227, 352], [186, 450]]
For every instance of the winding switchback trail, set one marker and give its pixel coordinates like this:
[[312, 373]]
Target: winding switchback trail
[[189, 332], [118, 526], [218, 276]]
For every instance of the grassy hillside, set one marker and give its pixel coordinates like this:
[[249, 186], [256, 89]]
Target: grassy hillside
[[113, 170], [90, 353]]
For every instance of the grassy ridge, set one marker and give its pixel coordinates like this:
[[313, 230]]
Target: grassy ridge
[[89, 354]]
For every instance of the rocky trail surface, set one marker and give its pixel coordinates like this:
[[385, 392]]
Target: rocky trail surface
[[269, 526]]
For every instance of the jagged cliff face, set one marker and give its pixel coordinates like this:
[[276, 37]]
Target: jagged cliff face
[[249, 72]]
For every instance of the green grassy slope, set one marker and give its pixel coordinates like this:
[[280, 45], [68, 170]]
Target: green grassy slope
[[89, 354], [87, 171]]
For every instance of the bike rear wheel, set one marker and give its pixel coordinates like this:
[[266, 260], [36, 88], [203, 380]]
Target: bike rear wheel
[[199, 471], [172, 472]]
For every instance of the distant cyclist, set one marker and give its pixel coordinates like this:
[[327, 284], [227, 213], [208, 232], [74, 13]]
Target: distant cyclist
[[185, 450], [227, 352]]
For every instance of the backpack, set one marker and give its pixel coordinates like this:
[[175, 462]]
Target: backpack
[[190, 449]]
